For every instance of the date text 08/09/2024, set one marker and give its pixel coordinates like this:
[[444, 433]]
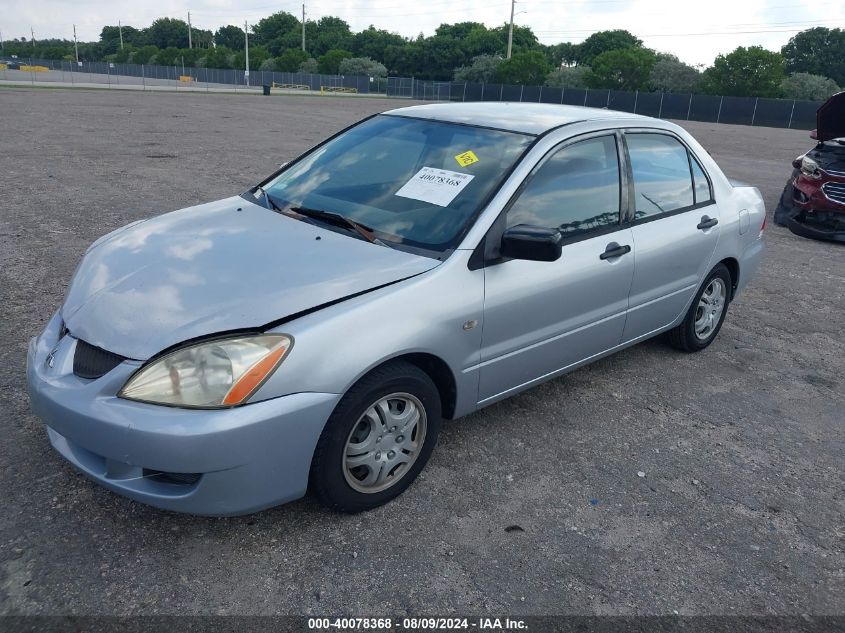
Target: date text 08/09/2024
[[417, 624]]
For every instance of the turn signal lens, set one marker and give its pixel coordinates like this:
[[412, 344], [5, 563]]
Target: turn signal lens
[[219, 373]]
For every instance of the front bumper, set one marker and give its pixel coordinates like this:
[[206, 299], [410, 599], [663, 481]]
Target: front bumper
[[208, 462], [806, 211]]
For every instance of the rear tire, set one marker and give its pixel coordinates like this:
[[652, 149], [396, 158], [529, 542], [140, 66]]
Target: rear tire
[[706, 314], [378, 439]]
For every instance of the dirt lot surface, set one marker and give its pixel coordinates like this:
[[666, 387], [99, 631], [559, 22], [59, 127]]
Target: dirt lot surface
[[740, 510]]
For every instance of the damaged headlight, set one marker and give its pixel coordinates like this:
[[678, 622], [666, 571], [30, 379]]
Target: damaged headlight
[[810, 168], [218, 373]]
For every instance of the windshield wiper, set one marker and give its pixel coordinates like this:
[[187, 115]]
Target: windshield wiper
[[339, 220], [270, 204]]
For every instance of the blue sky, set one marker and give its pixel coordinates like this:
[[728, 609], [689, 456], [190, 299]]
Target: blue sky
[[696, 31]]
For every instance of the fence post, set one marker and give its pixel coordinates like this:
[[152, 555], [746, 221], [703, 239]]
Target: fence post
[[754, 114], [719, 113], [607, 105], [464, 98], [143, 79], [562, 92], [660, 109], [108, 74], [791, 113], [636, 97], [501, 91], [689, 107], [521, 90]]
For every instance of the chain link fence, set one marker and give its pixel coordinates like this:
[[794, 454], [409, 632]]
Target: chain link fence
[[784, 113]]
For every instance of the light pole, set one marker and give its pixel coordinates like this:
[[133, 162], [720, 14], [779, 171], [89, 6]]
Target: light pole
[[303, 27], [246, 50], [120, 30], [75, 45], [510, 30], [189, 30]]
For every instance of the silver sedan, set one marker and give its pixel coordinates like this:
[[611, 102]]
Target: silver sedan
[[313, 332]]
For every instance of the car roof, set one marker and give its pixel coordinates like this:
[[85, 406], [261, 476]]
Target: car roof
[[527, 118]]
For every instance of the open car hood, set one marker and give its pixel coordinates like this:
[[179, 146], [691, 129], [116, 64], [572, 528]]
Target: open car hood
[[223, 266], [830, 118]]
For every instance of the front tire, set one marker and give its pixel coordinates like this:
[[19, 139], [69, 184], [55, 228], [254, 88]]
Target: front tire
[[378, 439], [706, 314]]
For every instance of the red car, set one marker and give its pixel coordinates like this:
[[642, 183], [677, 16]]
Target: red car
[[813, 201]]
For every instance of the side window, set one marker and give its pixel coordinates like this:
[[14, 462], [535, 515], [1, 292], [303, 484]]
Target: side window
[[576, 190], [702, 186], [662, 179]]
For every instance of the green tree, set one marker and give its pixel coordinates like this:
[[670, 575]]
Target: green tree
[[290, 60], [144, 54], [746, 72], [167, 32], [110, 38], [329, 64], [482, 69], [565, 53], [310, 66], [219, 57], [819, 51], [672, 75], [230, 36], [623, 69], [257, 56], [568, 77], [807, 86], [372, 42], [274, 27], [362, 66], [528, 67], [604, 41], [326, 34]]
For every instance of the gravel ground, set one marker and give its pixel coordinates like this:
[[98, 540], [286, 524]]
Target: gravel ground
[[740, 510]]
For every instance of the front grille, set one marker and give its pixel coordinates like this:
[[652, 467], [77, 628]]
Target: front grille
[[835, 191], [92, 362]]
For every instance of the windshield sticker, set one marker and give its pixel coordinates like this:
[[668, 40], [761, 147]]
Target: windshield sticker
[[467, 158], [435, 186]]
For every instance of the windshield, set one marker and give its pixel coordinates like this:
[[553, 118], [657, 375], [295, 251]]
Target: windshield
[[411, 181]]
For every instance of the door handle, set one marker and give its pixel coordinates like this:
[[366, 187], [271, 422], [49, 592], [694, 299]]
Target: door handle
[[707, 223], [615, 250]]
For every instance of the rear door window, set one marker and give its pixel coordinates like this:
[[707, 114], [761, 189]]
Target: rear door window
[[662, 177]]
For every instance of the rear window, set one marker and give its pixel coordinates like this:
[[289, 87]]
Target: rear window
[[662, 177]]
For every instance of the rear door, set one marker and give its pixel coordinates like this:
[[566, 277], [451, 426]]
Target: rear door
[[542, 317], [675, 229]]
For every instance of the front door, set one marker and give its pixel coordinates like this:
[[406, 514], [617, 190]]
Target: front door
[[542, 317]]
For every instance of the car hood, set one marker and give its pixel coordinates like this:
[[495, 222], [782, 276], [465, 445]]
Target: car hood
[[217, 267], [830, 118]]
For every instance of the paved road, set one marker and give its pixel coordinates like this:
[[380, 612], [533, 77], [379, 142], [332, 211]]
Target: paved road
[[740, 509]]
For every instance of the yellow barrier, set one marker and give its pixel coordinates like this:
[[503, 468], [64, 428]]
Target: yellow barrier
[[3, 67], [292, 86], [324, 89], [186, 78], [35, 69]]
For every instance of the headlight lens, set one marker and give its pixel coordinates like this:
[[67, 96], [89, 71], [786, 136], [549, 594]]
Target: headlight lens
[[220, 373], [810, 168]]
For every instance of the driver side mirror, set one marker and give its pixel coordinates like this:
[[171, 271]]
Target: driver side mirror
[[534, 243]]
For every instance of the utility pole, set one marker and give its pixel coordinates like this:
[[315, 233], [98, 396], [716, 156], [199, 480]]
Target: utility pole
[[2, 48], [246, 50], [120, 30], [75, 45], [189, 30], [510, 30], [32, 32], [303, 27]]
